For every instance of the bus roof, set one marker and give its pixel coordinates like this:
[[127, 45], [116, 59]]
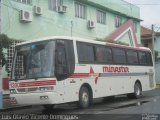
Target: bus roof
[[84, 40]]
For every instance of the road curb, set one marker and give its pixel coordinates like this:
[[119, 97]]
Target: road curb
[[15, 108]]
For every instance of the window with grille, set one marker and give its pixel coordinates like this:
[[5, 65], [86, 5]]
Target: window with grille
[[20, 66], [80, 11], [118, 21], [54, 3], [24, 1], [101, 17], [10, 54]]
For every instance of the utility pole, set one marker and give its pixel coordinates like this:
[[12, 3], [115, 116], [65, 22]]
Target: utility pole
[[71, 28], [1, 89], [153, 51]]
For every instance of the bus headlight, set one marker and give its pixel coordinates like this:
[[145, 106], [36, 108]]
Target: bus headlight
[[13, 91], [48, 88]]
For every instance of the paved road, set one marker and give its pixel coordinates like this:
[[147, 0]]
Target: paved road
[[121, 108]]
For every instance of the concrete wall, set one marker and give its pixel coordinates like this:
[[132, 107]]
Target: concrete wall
[[157, 72], [157, 43], [157, 67]]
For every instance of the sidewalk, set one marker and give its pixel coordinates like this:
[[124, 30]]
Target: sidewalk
[[7, 106]]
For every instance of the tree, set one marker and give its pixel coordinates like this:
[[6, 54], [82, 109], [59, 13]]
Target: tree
[[5, 42]]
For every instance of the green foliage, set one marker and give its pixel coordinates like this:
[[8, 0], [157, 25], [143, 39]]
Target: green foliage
[[5, 42]]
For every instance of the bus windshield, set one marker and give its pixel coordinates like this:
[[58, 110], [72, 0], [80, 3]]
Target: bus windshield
[[34, 61]]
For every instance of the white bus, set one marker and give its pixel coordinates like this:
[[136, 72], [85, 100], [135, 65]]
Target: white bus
[[59, 70]]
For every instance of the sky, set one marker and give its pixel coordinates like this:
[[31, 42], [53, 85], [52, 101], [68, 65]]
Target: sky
[[149, 11]]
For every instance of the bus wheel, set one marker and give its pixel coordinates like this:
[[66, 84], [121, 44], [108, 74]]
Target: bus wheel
[[49, 107], [84, 97], [137, 91]]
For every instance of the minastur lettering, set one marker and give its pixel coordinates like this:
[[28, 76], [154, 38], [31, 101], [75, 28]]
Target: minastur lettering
[[110, 69]]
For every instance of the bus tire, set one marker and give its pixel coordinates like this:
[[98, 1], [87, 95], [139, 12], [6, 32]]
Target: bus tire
[[137, 91], [49, 107], [84, 97]]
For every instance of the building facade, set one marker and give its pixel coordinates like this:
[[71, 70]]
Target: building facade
[[146, 38], [93, 19], [82, 18]]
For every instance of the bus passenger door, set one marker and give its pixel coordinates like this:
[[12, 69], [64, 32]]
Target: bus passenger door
[[64, 67], [61, 68]]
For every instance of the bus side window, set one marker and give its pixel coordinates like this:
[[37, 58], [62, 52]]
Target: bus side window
[[108, 53], [82, 52], [119, 56], [142, 58], [90, 53], [85, 52], [149, 59], [100, 56], [132, 57], [103, 54]]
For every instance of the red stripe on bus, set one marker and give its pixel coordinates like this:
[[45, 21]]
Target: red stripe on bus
[[37, 83], [84, 75], [79, 75]]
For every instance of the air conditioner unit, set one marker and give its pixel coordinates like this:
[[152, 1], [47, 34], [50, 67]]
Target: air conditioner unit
[[38, 10], [62, 9], [91, 24], [25, 16]]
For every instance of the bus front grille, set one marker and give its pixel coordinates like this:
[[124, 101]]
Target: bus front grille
[[26, 90]]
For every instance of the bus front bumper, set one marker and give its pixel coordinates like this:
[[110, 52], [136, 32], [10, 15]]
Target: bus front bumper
[[36, 98]]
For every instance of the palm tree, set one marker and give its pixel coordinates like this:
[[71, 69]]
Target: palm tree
[[5, 42]]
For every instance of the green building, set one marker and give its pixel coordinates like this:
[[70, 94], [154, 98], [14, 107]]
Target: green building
[[41, 18], [146, 38], [93, 19]]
